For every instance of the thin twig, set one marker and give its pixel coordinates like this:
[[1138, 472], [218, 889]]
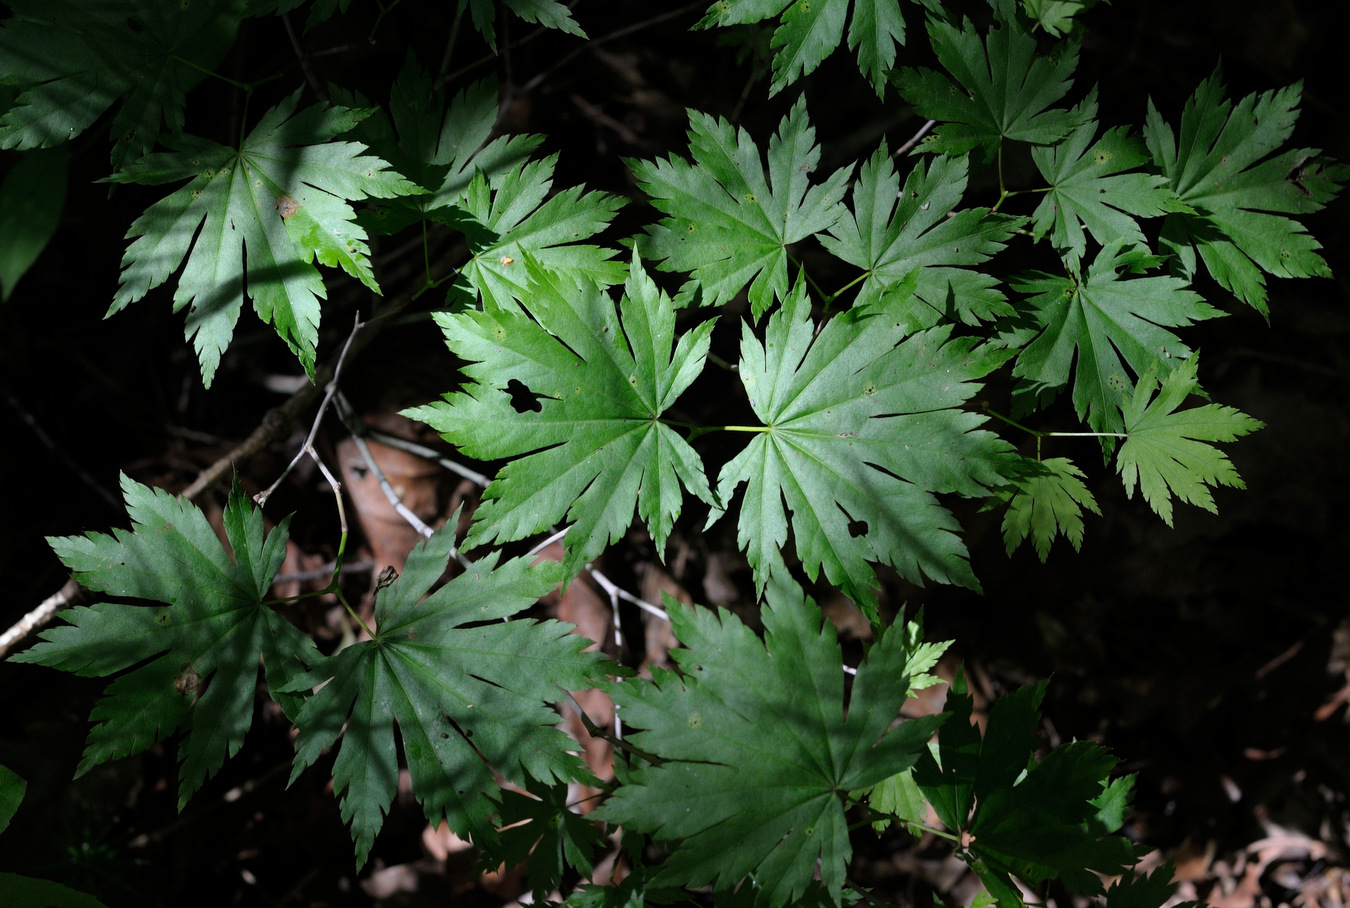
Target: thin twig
[[420, 450], [914, 139], [39, 616], [614, 589], [548, 541], [330, 390], [337, 492], [364, 566]]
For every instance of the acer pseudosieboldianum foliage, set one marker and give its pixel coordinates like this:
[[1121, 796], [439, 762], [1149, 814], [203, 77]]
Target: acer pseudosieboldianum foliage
[[753, 764]]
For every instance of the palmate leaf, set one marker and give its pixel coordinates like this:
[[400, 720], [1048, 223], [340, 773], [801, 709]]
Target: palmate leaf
[[1003, 89], [1168, 452], [1046, 504], [196, 658], [1021, 819], [74, 58], [861, 430], [891, 231], [467, 690], [809, 32], [278, 202], [1102, 317], [1091, 188], [727, 221], [1057, 16], [505, 224], [441, 146], [1232, 194], [596, 448], [548, 13], [487, 188], [547, 836], [757, 744]]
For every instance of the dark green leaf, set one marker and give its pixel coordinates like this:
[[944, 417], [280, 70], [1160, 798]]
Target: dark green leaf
[[728, 222], [758, 745], [205, 645], [468, 691], [600, 381]]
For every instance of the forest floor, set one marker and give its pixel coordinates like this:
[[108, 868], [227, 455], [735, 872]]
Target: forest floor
[[1213, 657]]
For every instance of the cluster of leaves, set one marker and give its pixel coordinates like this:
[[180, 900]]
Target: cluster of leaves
[[747, 760]]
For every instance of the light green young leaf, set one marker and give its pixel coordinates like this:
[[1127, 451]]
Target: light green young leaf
[[1046, 504], [728, 222], [1003, 89], [505, 225], [1233, 194], [1103, 317], [600, 380], [467, 690], [900, 797], [892, 231], [280, 201], [757, 743], [1168, 452], [73, 59], [861, 431], [1090, 188], [204, 646], [548, 13]]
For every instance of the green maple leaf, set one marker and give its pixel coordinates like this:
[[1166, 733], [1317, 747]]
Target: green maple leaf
[[1057, 16], [1003, 89], [1151, 891], [279, 202], [441, 146], [32, 195], [1046, 504], [596, 448], [12, 788], [891, 231], [1018, 818], [487, 188], [72, 60], [1233, 194], [1103, 317], [809, 32], [757, 744], [467, 690], [1091, 188], [1168, 452], [727, 221], [196, 658], [505, 224], [548, 13], [544, 834], [861, 429]]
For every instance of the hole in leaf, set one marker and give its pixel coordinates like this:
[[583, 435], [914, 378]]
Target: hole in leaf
[[522, 398], [857, 528]]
